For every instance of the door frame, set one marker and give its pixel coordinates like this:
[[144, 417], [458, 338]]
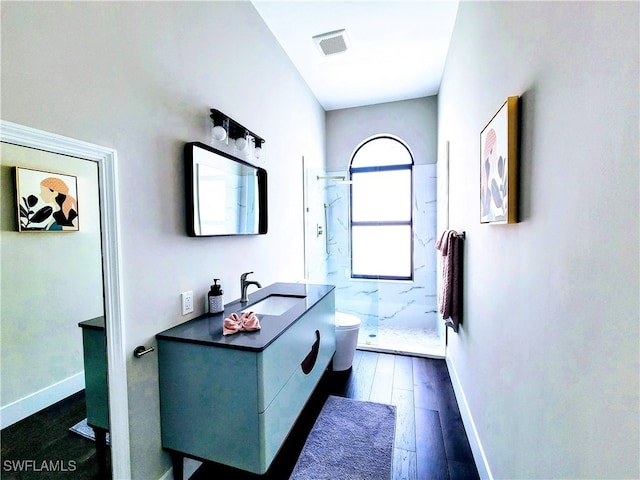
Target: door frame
[[106, 159]]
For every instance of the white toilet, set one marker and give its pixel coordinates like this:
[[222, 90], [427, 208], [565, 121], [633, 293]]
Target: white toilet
[[347, 327]]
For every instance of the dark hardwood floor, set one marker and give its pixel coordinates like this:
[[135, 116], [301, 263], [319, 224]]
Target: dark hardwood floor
[[40, 447], [430, 441]]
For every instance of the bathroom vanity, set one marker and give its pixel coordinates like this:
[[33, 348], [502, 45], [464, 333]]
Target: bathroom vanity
[[94, 347], [233, 399]]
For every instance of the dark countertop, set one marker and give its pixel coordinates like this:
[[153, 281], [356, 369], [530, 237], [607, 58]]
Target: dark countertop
[[93, 324], [207, 329]]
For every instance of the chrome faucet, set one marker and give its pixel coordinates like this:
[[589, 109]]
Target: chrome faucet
[[244, 283]]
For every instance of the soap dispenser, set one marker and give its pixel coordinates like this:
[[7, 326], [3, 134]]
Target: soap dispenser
[[215, 297]]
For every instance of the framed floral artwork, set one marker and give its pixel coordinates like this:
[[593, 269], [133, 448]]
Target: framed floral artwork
[[499, 166], [46, 201]]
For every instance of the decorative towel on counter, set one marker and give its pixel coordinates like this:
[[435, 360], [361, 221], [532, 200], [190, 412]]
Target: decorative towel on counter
[[450, 294], [235, 323]]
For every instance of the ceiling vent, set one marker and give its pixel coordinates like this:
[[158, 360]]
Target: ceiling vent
[[332, 42]]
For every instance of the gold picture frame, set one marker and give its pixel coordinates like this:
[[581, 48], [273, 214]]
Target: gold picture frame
[[499, 166]]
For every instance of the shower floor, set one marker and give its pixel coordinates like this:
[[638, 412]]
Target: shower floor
[[406, 339], [402, 327]]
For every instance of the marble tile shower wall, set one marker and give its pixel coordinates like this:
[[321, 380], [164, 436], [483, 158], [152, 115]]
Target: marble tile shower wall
[[393, 313]]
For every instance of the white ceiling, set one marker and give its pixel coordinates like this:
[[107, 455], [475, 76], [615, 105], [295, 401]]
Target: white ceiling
[[397, 48]]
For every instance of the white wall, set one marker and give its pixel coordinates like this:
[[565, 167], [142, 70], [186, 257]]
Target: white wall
[[548, 353], [140, 77], [414, 121]]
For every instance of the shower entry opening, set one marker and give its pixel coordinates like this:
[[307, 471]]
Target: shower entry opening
[[389, 282]]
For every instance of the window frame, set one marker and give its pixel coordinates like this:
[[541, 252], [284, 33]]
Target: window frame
[[409, 222]]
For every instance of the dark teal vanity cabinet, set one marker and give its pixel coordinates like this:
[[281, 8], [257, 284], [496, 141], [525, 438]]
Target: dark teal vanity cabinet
[[233, 399], [94, 347]]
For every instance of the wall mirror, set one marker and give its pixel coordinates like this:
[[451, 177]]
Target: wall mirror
[[225, 195]]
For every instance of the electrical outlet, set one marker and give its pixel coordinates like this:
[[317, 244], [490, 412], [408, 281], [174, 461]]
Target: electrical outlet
[[187, 302]]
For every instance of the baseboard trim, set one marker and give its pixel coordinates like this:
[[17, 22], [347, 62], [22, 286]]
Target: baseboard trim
[[472, 434], [20, 409], [168, 475], [190, 467]]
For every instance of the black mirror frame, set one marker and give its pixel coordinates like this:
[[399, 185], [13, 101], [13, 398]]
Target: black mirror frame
[[189, 190]]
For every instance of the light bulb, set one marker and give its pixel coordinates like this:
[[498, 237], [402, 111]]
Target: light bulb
[[241, 143], [257, 149], [219, 133]]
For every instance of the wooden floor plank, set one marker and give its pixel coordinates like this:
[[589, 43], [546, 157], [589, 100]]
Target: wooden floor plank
[[453, 431], [362, 379], [446, 398], [404, 465], [430, 451], [425, 384], [382, 387], [405, 420], [386, 362], [403, 373], [455, 441], [463, 471]]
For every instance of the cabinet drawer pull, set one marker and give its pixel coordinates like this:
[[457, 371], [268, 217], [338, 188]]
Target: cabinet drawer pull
[[310, 360]]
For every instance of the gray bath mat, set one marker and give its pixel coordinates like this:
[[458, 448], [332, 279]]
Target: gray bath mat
[[81, 428], [350, 440]]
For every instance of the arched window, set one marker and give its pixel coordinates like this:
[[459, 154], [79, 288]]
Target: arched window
[[381, 214]]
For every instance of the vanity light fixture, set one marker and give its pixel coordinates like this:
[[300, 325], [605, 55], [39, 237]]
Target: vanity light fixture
[[225, 128]]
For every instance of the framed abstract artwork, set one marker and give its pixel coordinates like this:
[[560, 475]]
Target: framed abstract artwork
[[499, 166], [46, 201]]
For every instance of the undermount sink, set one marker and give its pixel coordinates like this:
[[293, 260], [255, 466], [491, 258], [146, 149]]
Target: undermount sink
[[274, 304]]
